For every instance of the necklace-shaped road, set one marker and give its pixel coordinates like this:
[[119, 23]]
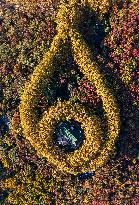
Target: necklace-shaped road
[[93, 153]]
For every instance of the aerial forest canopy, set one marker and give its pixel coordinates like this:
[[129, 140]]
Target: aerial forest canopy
[[69, 102]]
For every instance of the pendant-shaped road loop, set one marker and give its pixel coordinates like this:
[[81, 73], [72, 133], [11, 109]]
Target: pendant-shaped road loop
[[93, 153]]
